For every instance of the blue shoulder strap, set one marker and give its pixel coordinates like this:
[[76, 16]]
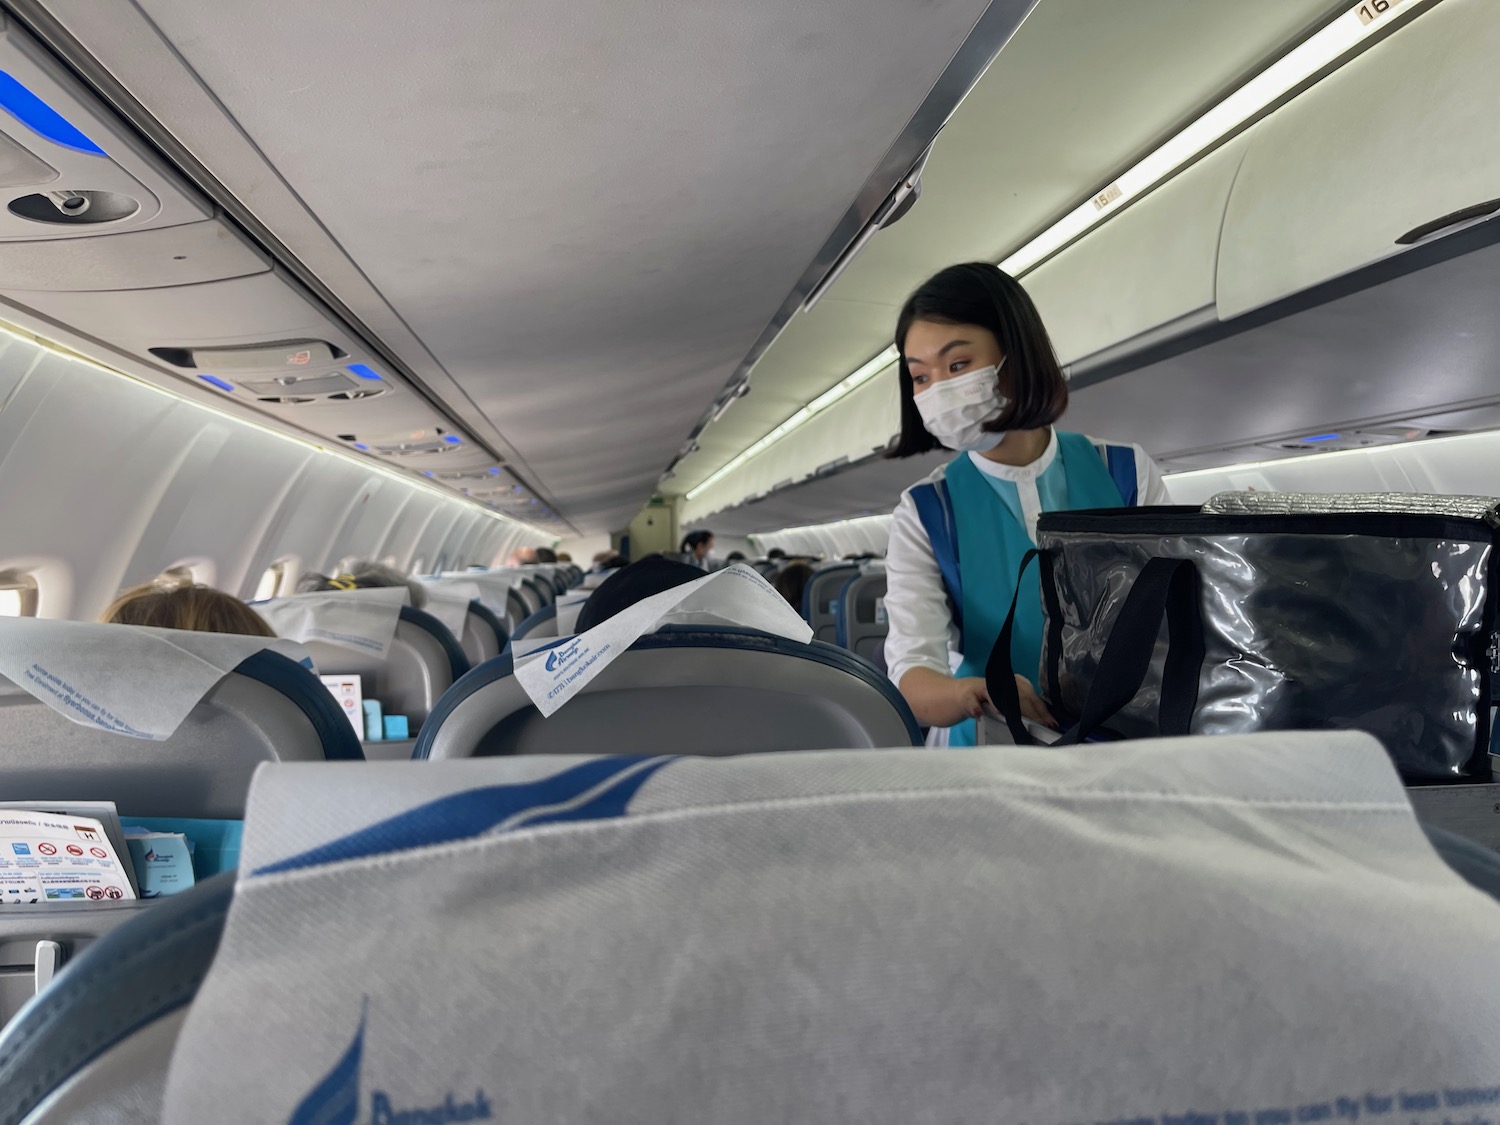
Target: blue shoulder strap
[[935, 509], [1121, 462]]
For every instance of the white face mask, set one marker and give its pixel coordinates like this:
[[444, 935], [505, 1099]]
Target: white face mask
[[955, 411]]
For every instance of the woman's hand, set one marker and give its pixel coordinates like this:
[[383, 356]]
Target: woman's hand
[[1032, 706], [943, 701]]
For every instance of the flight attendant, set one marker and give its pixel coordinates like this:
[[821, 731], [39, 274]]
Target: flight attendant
[[978, 376]]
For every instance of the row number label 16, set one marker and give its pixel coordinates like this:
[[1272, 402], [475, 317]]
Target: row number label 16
[[1372, 10]]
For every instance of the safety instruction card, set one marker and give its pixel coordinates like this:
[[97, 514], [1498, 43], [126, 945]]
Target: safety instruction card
[[50, 857]]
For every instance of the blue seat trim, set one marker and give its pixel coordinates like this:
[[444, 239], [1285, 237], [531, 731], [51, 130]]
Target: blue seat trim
[[458, 661], [540, 617], [483, 612], [475, 812], [292, 680], [513, 598], [541, 589], [129, 978], [681, 636]]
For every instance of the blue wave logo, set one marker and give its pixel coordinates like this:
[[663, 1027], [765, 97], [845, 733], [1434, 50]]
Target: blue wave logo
[[559, 656], [335, 1100]]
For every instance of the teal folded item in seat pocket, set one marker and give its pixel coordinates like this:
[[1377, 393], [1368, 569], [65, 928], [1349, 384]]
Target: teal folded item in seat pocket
[[216, 843]]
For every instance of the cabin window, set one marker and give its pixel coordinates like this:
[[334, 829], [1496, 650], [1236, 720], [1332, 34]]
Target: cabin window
[[200, 570], [18, 594], [272, 582]]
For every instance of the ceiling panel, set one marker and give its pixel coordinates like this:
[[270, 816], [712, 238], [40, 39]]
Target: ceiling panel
[[1081, 91], [586, 213]]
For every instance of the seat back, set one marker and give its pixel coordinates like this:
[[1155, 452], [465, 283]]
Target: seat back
[[891, 882], [862, 625], [268, 709], [485, 635], [530, 591], [424, 661], [820, 599], [542, 623], [736, 690]]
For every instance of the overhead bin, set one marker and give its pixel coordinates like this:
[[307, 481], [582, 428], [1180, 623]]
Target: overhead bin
[[142, 259], [1400, 138], [1151, 265]]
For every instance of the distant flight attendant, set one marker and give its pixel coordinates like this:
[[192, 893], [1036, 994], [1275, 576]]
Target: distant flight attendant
[[978, 376]]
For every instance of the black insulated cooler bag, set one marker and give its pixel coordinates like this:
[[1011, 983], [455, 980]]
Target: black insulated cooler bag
[[1272, 611]]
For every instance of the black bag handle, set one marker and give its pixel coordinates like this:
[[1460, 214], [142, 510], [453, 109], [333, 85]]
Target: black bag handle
[[1164, 588]]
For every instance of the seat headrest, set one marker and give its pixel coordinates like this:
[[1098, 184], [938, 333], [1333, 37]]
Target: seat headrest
[[362, 620], [854, 937], [129, 679]]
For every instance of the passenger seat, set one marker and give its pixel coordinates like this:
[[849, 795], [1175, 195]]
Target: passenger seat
[[726, 690], [963, 943], [268, 709], [820, 598], [862, 623], [423, 662]]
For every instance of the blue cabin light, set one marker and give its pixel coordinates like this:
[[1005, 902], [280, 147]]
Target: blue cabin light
[[222, 384], [365, 371], [41, 118]]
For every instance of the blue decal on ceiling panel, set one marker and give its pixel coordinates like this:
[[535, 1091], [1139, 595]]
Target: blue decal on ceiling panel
[[41, 118]]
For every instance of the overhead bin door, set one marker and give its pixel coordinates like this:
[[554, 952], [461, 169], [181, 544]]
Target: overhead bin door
[[1400, 136], [1149, 266]]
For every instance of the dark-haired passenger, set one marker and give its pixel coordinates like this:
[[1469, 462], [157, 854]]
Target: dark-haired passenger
[[698, 549], [978, 376]]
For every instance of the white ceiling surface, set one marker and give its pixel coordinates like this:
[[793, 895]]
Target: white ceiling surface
[[586, 212], [1080, 92]]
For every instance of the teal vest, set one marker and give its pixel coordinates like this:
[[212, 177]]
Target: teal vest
[[979, 544]]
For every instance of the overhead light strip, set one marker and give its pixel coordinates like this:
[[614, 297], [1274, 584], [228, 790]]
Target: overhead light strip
[[1293, 69], [1324, 48], [832, 395], [366, 465]]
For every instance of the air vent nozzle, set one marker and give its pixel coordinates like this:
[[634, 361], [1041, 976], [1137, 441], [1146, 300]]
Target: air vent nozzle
[[67, 207]]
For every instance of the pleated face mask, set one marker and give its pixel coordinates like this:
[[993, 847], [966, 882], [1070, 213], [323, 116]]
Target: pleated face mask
[[955, 411]]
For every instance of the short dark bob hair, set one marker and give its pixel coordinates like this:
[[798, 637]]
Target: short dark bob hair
[[982, 294]]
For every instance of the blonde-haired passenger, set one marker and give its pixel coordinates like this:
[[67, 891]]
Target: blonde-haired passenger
[[174, 603]]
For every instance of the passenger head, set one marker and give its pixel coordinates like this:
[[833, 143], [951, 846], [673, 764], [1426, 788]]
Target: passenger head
[[546, 555], [601, 556], [775, 554], [171, 603], [523, 556], [959, 325], [735, 556], [631, 584], [613, 561], [698, 545], [791, 581], [361, 574], [564, 557]]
